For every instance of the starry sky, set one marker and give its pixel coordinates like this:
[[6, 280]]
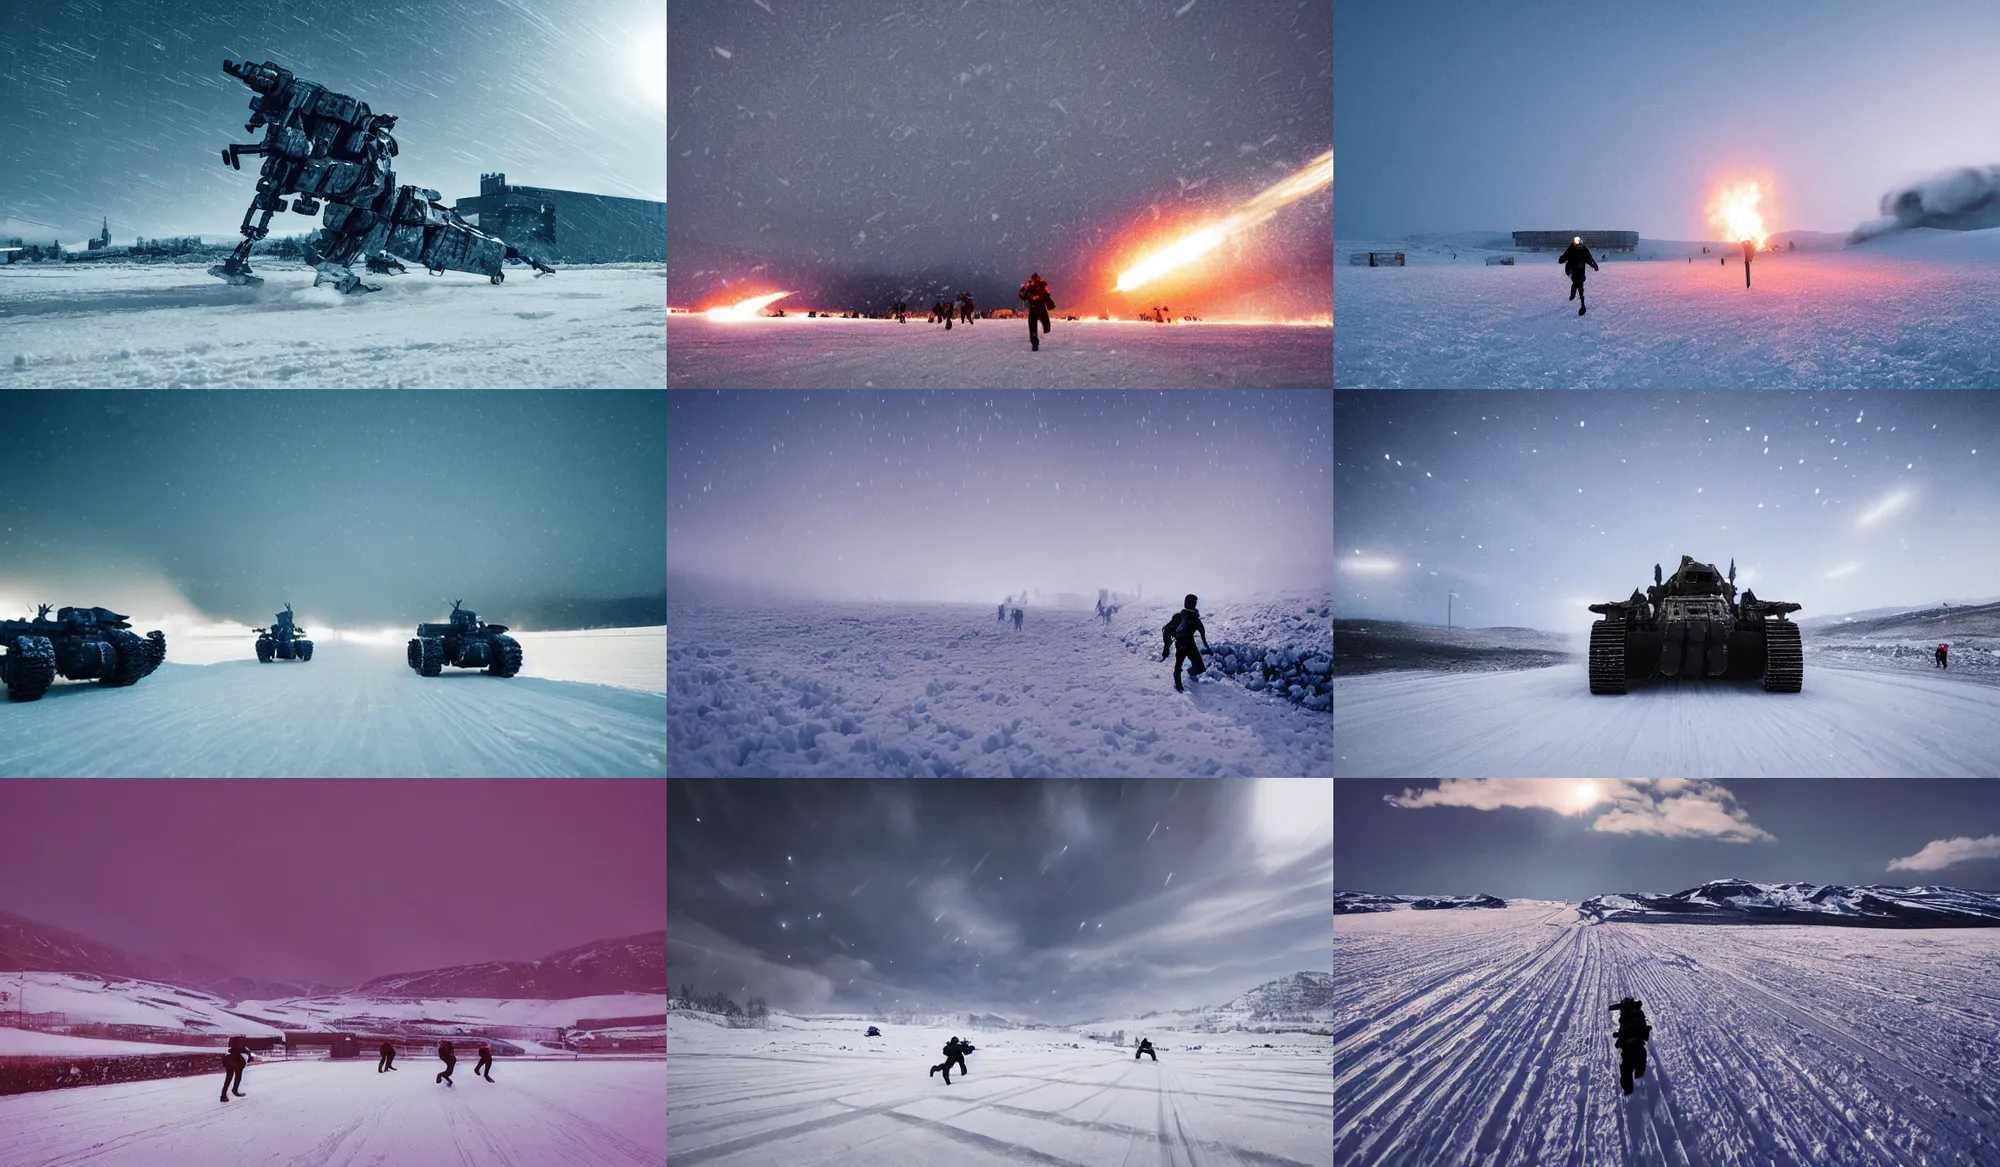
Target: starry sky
[[1553, 114], [1553, 838], [970, 496], [337, 880], [360, 506], [120, 108], [858, 151], [1042, 901], [1533, 505]]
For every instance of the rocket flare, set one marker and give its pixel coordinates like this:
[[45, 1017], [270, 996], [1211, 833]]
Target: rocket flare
[[744, 309], [1316, 174]]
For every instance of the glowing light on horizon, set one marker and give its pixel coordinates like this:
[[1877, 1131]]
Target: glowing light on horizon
[[1735, 210], [1316, 174], [744, 309]]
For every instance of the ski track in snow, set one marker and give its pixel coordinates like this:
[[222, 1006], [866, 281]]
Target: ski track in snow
[[1903, 313], [945, 690], [1028, 1099], [354, 710], [1484, 1037], [321, 1113], [1546, 723], [799, 353], [121, 326]]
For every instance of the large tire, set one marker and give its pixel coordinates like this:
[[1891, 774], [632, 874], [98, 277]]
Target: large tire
[[1784, 658], [415, 651], [1607, 656], [31, 668], [506, 657], [156, 651], [303, 648], [133, 652], [266, 648], [430, 658]]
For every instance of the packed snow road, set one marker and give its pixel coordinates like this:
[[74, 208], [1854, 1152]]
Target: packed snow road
[[1485, 1036], [323, 1114], [1545, 723], [354, 710], [745, 1098], [798, 353]]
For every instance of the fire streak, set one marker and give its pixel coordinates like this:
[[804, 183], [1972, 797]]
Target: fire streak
[[1316, 174], [744, 309]]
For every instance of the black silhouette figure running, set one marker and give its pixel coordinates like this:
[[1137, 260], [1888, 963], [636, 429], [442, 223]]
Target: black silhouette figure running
[[1573, 259], [1036, 293], [1179, 633], [1631, 1037], [232, 1067], [450, 1057], [484, 1067], [954, 1055], [1145, 1047], [388, 1061], [1943, 659]]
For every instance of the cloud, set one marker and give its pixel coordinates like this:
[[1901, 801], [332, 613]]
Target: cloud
[[1668, 807], [1941, 853], [949, 900]]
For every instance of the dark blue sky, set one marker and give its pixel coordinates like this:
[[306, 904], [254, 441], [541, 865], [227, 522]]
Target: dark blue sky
[[1542, 839], [1038, 900], [971, 496], [1534, 505], [866, 146], [359, 505], [1559, 114], [120, 108]]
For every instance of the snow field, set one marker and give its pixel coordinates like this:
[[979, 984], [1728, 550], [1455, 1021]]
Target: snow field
[[133, 325], [353, 710], [800, 353], [1545, 723], [826, 1095], [1918, 310], [534, 1114], [913, 690], [1485, 1036]]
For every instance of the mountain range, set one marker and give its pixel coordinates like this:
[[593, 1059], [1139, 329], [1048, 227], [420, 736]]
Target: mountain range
[[1738, 901]]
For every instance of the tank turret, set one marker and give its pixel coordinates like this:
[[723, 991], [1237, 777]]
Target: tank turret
[[1691, 625]]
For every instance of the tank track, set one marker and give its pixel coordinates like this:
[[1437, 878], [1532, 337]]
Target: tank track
[[1607, 656], [1784, 658], [31, 668], [134, 651], [506, 657]]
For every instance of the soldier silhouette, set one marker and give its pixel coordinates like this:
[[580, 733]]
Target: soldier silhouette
[[1631, 1037]]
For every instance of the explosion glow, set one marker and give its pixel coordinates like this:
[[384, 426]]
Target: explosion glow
[[1735, 210], [744, 309], [1316, 174]]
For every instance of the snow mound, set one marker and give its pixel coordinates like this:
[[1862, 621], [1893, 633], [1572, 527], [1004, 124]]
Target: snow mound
[[1435, 903]]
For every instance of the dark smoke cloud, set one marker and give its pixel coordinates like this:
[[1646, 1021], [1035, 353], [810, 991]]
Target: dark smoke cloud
[[1965, 198]]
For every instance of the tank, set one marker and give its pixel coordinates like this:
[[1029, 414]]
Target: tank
[[1690, 626], [82, 644], [464, 643], [283, 640]]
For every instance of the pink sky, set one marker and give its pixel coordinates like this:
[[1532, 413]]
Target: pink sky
[[336, 880]]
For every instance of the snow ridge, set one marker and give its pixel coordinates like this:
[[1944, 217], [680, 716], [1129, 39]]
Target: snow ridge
[[1738, 901]]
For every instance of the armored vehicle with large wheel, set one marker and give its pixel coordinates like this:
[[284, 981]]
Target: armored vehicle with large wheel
[[283, 640], [83, 644], [1691, 625], [464, 643]]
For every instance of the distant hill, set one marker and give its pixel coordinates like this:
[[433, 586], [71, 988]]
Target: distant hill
[[31, 946], [628, 964], [1738, 901], [1298, 997], [566, 612], [1928, 624], [1372, 646]]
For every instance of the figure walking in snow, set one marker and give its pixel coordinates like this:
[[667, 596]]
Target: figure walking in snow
[[954, 1055], [1036, 293], [232, 1067], [1941, 662], [1003, 612], [1017, 619], [1145, 1047], [965, 307], [1179, 633], [450, 1058], [1573, 259], [483, 1068], [1631, 1037], [388, 1061]]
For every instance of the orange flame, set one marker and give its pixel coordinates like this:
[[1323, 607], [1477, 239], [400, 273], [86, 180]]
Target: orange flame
[[744, 309], [1734, 209], [1315, 174]]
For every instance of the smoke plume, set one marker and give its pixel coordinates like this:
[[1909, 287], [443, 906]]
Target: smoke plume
[[1965, 198]]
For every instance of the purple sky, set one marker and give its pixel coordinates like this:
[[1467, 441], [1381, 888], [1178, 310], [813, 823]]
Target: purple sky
[[337, 880]]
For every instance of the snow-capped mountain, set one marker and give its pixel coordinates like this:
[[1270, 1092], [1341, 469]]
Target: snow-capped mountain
[[1347, 902], [1431, 903], [31, 946], [1737, 901], [629, 964], [1299, 997]]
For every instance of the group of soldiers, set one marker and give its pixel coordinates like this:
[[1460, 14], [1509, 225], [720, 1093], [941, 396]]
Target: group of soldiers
[[239, 1056]]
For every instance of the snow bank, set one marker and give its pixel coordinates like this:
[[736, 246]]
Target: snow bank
[[800, 353], [1280, 643], [132, 325]]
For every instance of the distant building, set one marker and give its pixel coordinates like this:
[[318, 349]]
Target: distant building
[[103, 239], [1595, 240], [568, 225]]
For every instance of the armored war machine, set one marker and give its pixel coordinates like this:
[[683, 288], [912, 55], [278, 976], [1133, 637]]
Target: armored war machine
[[464, 643], [1692, 625], [82, 644], [325, 146], [283, 640]]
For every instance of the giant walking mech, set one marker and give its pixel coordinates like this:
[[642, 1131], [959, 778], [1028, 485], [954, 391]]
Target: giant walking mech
[[319, 144]]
